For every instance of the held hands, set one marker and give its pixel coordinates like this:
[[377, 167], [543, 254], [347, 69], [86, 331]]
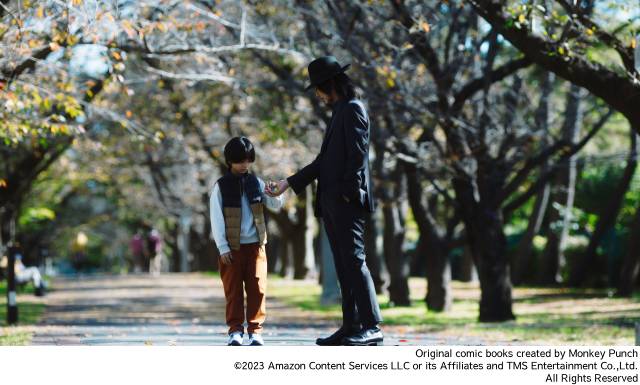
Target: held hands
[[226, 258], [274, 189]]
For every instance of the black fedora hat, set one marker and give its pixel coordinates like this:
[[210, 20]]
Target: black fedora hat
[[323, 69]]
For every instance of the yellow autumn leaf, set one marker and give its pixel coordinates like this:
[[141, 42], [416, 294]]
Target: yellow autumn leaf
[[390, 83], [522, 18], [589, 32], [116, 55], [425, 26], [72, 39], [77, 2], [40, 12], [561, 50], [3, 183], [54, 46], [634, 43], [129, 114]]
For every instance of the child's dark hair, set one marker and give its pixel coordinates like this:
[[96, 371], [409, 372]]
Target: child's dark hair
[[343, 85], [239, 149]]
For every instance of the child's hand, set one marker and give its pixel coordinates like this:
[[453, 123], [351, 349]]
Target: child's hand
[[270, 188], [226, 258], [277, 188]]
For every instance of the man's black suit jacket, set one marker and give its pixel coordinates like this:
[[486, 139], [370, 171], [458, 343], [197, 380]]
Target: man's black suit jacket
[[342, 167]]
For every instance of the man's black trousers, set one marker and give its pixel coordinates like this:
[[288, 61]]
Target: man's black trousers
[[344, 222]]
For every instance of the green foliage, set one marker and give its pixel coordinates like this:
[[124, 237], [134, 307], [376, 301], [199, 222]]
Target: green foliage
[[32, 215], [594, 189]]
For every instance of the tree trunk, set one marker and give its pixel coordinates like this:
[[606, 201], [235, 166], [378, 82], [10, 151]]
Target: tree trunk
[[631, 264], [562, 194], [394, 213], [309, 236], [273, 251], [397, 262], [374, 241], [284, 260], [171, 240], [493, 267], [485, 236], [438, 297], [202, 249], [523, 262], [374, 258], [302, 237], [431, 246], [184, 227], [7, 226], [606, 219], [298, 249], [468, 272]]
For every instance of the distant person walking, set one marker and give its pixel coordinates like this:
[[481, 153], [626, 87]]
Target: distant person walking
[[136, 245], [154, 246]]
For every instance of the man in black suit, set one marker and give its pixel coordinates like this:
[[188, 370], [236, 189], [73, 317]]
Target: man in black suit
[[344, 193]]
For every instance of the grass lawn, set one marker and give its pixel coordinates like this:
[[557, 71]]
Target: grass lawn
[[545, 316], [29, 313]]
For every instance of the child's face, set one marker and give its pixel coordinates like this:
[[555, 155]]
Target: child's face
[[240, 168]]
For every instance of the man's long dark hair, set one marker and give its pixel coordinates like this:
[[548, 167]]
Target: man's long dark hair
[[343, 85]]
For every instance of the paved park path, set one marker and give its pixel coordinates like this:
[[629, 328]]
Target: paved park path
[[172, 309]]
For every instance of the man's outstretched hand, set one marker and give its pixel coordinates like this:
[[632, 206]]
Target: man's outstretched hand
[[274, 189]]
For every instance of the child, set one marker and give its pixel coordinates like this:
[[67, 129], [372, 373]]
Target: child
[[240, 233]]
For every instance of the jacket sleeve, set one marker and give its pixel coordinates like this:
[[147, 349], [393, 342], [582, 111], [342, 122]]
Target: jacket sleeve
[[273, 203], [217, 221], [302, 178], [356, 132]]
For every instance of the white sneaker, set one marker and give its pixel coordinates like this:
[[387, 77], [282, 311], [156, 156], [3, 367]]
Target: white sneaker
[[235, 339], [255, 339]]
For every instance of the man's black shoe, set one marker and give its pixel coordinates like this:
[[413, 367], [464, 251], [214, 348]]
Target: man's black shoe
[[336, 338], [366, 337]]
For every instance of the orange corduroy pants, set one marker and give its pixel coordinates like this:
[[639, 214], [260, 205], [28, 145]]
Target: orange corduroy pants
[[246, 273]]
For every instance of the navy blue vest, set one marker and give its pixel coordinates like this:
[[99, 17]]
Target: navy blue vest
[[232, 186]]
